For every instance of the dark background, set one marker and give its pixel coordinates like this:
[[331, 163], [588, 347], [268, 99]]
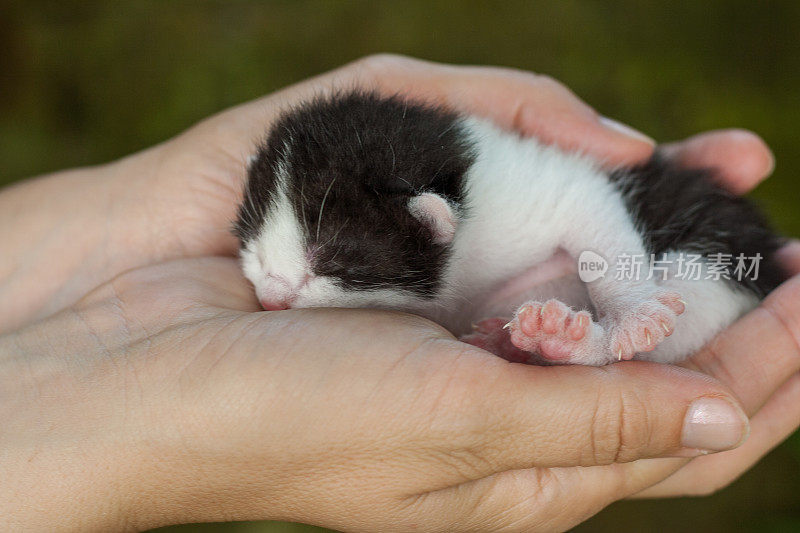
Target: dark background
[[85, 82]]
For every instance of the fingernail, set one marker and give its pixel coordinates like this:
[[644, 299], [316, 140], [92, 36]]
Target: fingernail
[[625, 130], [770, 163], [714, 425]]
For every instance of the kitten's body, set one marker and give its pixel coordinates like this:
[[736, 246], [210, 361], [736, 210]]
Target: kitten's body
[[365, 201]]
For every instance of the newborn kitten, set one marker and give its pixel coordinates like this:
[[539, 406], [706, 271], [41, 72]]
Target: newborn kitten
[[359, 200]]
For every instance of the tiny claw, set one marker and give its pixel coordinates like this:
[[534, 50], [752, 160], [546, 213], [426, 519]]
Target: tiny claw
[[580, 320], [666, 328], [619, 354], [681, 301], [647, 336], [508, 325], [474, 327]]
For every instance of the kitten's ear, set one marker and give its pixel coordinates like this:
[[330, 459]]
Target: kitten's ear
[[436, 214]]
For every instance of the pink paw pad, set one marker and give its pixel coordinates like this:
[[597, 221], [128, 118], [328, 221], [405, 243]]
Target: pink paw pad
[[646, 324], [552, 330]]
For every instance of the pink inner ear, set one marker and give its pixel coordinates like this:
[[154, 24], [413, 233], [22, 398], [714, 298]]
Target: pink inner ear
[[434, 211]]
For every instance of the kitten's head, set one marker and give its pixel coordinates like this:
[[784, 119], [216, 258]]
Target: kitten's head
[[353, 201]]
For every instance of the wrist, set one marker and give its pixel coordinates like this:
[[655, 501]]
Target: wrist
[[66, 233], [62, 471]]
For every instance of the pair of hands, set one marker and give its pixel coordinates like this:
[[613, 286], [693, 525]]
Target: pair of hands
[[140, 387]]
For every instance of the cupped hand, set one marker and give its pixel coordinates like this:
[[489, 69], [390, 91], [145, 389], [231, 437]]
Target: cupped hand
[[178, 199], [162, 397]]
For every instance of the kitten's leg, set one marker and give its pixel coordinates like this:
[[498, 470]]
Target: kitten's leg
[[634, 316], [560, 335], [554, 333], [583, 211], [551, 332], [634, 312], [711, 306]]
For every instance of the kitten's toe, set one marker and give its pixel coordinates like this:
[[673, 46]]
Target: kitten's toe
[[645, 324]]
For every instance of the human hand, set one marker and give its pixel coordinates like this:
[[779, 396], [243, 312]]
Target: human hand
[[176, 199], [162, 397]]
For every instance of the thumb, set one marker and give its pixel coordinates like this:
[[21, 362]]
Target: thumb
[[585, 416], [740, 158]]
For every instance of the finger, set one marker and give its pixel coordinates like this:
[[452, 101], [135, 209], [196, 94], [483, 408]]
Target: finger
[[760, 351], [778, 419], [531, 104], [754, 357], [789, 256], [536, 499], [702, 475], [521, 417], [517, 498], [741, 158]]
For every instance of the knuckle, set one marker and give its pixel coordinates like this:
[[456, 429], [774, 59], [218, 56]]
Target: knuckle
[[620, 428], [461, 424], [462, 462], [784, 306], [525, 79], [605, 441], [383, 62], [546, 83]]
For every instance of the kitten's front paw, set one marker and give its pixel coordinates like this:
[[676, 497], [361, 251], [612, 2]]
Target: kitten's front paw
[[556, 333], [643, 325]]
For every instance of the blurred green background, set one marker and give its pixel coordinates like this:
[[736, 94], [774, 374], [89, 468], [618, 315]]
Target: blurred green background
[[85, 82]]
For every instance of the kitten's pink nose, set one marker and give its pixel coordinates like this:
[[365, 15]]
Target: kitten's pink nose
[[276, 294]]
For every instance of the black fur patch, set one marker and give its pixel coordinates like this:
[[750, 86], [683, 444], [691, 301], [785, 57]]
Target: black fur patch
[[354, 161], [683, 210]]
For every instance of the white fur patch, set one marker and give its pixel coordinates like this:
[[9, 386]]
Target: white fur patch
[[278, 251]]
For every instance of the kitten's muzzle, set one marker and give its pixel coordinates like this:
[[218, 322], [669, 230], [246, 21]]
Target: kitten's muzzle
[[276, 293]]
